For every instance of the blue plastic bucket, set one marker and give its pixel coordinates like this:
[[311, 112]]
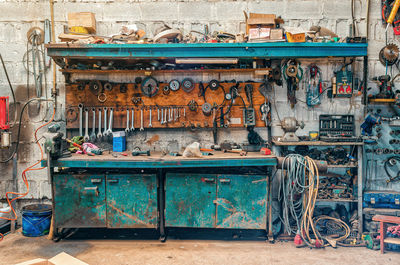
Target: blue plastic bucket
[[36, 220]]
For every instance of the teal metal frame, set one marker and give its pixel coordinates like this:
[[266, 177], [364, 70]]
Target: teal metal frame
[[91, 162], [211, 50]]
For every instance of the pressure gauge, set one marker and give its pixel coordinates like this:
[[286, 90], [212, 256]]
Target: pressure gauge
[[228, 96], [174, 85]]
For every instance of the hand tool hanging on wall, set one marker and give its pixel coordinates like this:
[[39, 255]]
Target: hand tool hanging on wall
[[110, 124], [105, 122], [314, 86], [389, 54], [343, 86], [93, 134], [133, 120], [141, 120], [293, 74], [249, 116], [86, 136], [80, 106], [127, 129], [99, 134]]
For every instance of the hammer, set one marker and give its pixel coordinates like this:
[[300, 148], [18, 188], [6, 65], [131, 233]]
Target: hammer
[[137, 153]]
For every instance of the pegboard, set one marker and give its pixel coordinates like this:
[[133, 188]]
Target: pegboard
[[120, 102]]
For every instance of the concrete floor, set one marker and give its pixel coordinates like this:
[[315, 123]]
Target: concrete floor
[[17, 248]]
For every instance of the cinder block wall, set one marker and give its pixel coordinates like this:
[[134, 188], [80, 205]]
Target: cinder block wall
[[18, 16]]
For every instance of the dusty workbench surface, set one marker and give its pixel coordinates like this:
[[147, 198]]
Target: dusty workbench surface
[[158, 160]]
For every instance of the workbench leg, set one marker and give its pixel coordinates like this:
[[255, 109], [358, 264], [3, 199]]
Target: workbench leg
[[382, 231], [161, 204], [15, 188], [360, 188], [270, 227]]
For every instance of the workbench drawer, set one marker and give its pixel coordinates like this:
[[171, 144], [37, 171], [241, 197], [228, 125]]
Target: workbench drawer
[[216, 201], [132, 201], [242, 202], [79, 200], [189, 200]]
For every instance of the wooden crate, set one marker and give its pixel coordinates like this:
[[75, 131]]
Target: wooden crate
[[82, 19]]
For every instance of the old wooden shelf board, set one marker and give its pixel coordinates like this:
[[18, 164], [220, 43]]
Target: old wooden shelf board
[[150, 72]]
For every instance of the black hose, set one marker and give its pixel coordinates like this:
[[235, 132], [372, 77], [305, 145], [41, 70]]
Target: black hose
[[19, 130], [8, 79]]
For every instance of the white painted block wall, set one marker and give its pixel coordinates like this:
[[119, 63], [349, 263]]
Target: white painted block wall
[[17, 16]]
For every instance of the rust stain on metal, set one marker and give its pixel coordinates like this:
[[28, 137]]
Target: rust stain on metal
[[129, 216], [259, 180]]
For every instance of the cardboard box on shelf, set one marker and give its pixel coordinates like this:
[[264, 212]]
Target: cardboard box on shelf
[[276, 34], [82, 19]]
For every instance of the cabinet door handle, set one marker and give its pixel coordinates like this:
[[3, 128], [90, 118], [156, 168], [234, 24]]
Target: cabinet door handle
[[94, 189], [209, 180], [95, 181], [225, 180], [112, 180]]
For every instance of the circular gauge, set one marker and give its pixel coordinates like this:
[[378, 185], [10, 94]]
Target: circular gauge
[[228, 96], [108, 86], [166, 90], [95, 86], [187, 85], [206, 108], [149, 86], [174, 85], [213, 84]]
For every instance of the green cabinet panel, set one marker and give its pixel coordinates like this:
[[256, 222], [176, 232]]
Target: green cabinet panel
[[79, 201], [189, 200], [242, 202], [131, 201]]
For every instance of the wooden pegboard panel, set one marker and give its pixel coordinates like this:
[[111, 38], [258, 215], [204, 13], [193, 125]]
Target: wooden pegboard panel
[[121, 101]]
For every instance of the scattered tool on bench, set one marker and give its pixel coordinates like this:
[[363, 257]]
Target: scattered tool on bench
[[138, 153]]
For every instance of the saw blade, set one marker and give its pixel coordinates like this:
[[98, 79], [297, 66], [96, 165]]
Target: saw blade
[[389, 54]]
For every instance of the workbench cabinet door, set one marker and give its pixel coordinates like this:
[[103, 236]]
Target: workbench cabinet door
[[131, 201], [189, 200], [242, 202], [79, 201]]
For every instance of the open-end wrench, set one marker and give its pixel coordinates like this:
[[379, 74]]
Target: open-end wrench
[[110, 124], [105, 122], [99, 134], [141, 120], [165, 116], [127, 121], [158, 113], [170, 113], [133, 120], [184, 112], [150, 125], [162, 116], [86, 137], [93, 134], [80, 106]]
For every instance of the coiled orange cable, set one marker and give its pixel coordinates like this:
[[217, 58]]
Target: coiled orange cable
[[24, 178]]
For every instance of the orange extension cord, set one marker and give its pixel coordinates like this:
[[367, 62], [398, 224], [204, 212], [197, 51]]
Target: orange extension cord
[[24, 178]]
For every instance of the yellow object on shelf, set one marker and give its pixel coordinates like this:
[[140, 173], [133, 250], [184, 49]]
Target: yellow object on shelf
[[82, 19], [298, 37], [78, 29]]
